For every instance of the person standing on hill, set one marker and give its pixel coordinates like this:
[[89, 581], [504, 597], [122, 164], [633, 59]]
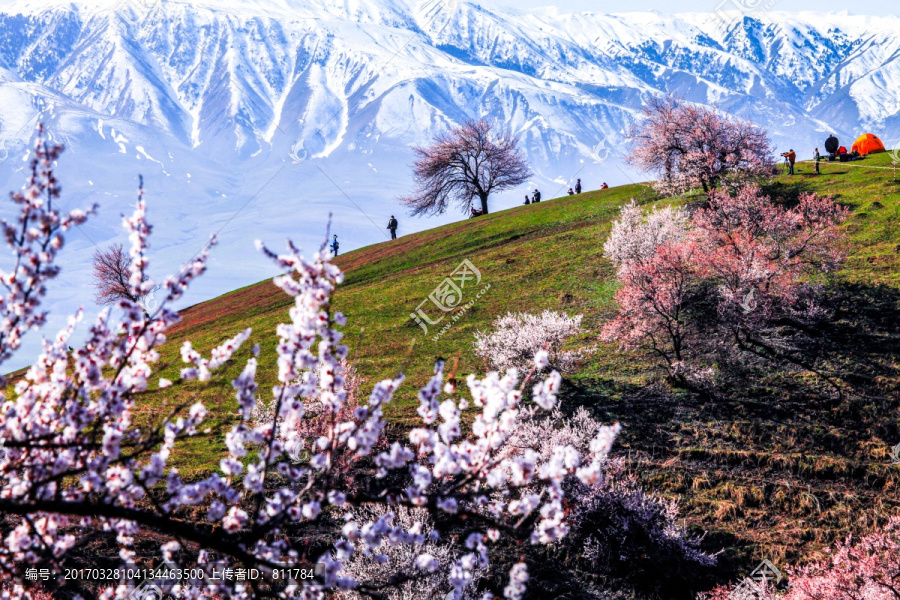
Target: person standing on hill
[[818, 158], [537, 197], [792, 158], [334, 246], [578, 187], [392, 226]]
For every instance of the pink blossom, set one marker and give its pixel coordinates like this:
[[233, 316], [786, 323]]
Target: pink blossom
[[749, 263], [688, 146]]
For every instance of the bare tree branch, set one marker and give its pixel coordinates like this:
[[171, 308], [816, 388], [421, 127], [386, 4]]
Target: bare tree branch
[[112, 271], [471, 161]]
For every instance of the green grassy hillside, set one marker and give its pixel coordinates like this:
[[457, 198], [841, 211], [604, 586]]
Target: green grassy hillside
[[776, 469]]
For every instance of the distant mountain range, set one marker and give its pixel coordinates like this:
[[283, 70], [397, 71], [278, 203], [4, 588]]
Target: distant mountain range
[[239, 80], [291, 109]]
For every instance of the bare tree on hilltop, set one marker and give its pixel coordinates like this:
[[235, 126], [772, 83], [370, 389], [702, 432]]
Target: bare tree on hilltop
[[470, 161], [112, 272]]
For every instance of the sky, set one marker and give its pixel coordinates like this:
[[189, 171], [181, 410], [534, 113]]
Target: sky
[[870, 7]]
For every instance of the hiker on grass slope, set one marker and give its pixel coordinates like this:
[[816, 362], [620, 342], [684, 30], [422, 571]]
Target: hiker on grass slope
[[791, 157], [392, 226]]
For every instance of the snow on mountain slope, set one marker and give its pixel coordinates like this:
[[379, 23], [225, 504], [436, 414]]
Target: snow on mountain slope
[[259, 119]]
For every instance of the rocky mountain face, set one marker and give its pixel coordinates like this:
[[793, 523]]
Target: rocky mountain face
[[241, 80]]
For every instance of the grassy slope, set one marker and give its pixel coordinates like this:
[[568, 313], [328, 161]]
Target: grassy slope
[[774, 471]]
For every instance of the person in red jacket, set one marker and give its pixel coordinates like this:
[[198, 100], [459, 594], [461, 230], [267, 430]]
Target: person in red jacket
[[604, 186], [791, 158]]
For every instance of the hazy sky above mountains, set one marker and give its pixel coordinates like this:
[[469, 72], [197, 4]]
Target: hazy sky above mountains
[[870, 7]]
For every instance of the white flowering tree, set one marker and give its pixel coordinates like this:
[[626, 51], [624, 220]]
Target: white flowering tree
[[635, 236], [74, 465], [516, 338], [440, 557]]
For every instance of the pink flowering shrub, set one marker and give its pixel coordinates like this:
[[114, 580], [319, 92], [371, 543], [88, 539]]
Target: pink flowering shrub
[[693, 293], [867, 568], [863, 569], [654, 303], [688, 146], [516, 338], [754, 250], [74, 465]]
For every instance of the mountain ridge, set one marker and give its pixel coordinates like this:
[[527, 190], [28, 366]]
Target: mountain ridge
[[258, 55]]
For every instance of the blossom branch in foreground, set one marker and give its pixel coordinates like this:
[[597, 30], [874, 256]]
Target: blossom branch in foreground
[[35, 239], [76, 466]]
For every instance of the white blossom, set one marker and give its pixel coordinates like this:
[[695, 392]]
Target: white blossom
[[524, 340], [635, 236], [518, 577]]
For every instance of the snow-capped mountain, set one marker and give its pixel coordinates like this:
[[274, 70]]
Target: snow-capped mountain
[[258, 119]]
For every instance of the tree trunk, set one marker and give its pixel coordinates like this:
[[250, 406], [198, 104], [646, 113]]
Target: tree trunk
[[484, 208]]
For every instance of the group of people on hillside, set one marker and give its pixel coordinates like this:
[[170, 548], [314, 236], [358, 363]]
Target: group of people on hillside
[[393, 224], [533, 199], [790, 158], [835, 151], [392, 227], [577, 189], [572, 191]]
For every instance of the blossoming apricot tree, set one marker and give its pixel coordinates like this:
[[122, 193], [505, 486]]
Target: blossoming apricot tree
[[688, 146], [722, 280], [516, 338], [859, 568]]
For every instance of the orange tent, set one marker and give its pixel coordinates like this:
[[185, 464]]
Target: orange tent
[[868, 143]]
